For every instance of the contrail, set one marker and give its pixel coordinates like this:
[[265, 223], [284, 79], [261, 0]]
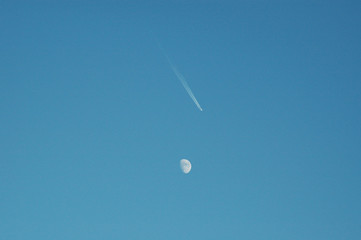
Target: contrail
[[180, 77], [185, 85]]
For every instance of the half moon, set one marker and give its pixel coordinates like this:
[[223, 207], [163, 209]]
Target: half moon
[[185, 166]]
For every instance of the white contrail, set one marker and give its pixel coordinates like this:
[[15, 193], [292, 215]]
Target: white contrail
[[179, 76], [185, 85]]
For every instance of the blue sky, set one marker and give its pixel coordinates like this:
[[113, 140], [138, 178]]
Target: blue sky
[[94, 121]]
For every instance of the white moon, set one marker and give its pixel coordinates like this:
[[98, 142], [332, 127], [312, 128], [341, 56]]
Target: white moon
[[185, 165]]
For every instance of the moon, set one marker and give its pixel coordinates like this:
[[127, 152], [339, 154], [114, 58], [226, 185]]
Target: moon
[[185, 166]]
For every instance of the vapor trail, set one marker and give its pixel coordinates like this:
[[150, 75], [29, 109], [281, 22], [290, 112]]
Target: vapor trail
[[180, 77], [185, 85]]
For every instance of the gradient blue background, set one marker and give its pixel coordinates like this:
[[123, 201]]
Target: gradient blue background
[[94, 121]]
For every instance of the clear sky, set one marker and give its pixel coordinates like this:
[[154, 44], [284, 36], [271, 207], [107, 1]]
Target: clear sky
[[94, 121]]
